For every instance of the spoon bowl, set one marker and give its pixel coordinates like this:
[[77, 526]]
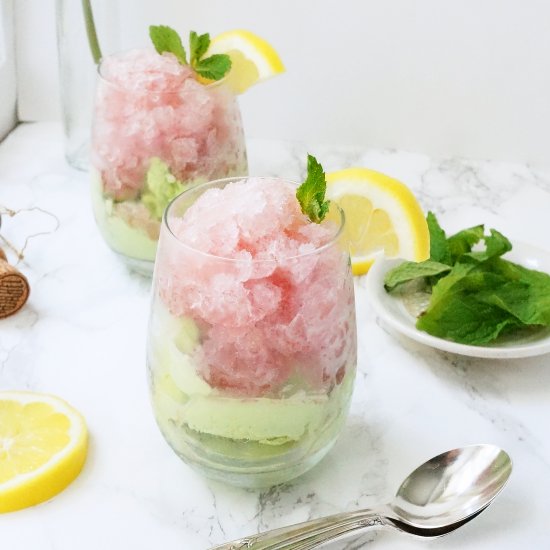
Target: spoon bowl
[[452, 486], [438, 497]]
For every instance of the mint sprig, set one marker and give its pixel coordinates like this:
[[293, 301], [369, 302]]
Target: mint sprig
[[311, 194], [166, 39]]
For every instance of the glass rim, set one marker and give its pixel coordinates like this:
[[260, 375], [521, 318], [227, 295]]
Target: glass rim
[[105, 79], [318, 249]]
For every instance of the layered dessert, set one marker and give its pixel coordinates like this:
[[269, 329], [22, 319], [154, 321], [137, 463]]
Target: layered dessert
[[157, 131], [252, 338]]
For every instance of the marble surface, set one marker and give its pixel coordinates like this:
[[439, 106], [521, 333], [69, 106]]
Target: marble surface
[[82, 335]]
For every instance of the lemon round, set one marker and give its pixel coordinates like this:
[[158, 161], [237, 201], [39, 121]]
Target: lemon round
[[382, 214], [253, 59], [43, 446]]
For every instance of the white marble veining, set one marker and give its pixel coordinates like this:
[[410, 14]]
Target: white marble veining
[[81, 336]]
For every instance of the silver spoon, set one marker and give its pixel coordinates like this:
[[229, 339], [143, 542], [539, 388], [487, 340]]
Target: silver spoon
[[438, 497]]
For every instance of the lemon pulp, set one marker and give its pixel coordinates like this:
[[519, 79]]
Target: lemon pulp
[[43, 444]]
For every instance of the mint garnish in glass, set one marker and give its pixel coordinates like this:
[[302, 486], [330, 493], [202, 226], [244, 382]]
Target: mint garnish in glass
[[311, 194], [166, 39]]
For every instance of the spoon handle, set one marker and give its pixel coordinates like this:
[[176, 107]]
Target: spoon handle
[[308, 535]]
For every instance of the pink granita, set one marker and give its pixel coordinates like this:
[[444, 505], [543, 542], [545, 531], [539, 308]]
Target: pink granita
[[150, 105], [269, 290]]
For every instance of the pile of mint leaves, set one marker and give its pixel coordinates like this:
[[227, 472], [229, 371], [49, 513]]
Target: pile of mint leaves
[[477, 296]]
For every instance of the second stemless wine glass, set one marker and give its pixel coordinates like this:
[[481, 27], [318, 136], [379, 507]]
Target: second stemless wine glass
[[252, 357], [156, 131]]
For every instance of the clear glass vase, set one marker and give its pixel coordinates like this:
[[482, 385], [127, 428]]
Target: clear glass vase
[[76, 75], [77, 70], [156, 132], [251, 358]]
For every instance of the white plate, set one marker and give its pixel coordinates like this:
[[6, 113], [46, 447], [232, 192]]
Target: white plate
[[392, 311]]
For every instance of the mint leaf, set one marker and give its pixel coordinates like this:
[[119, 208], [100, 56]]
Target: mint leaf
[[462, 242], [160, 188], [439, 248], [464, 318], [512, 297], [460, 311], [166, 39], [525, 294], [311, 194], [443, 286], [214, 67], [462, 314], [497, 244], [407, 271], [198, 44]]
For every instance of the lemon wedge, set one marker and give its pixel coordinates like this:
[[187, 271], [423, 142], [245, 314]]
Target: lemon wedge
[[43, 445], [382, 214], [253, 59]]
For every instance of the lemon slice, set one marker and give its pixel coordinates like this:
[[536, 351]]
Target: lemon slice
[[382, 214], [253, 59], [43, 444]]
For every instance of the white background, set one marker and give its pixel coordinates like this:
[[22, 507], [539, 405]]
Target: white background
[[469, 77]]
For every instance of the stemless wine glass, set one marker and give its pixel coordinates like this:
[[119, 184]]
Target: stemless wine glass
[[251, 359], [156, 131]]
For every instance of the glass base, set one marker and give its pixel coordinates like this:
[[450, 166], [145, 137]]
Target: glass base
[[77, 156], [252, 478], [142, 267]]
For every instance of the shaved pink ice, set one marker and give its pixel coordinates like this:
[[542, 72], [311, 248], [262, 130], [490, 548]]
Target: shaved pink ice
[[274, 304], [150, 105]]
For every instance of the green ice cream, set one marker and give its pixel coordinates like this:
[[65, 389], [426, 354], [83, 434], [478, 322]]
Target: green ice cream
[[270, 421], [184, 401], [187, 400], [131, 227], [125, 238], [161, 187]]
